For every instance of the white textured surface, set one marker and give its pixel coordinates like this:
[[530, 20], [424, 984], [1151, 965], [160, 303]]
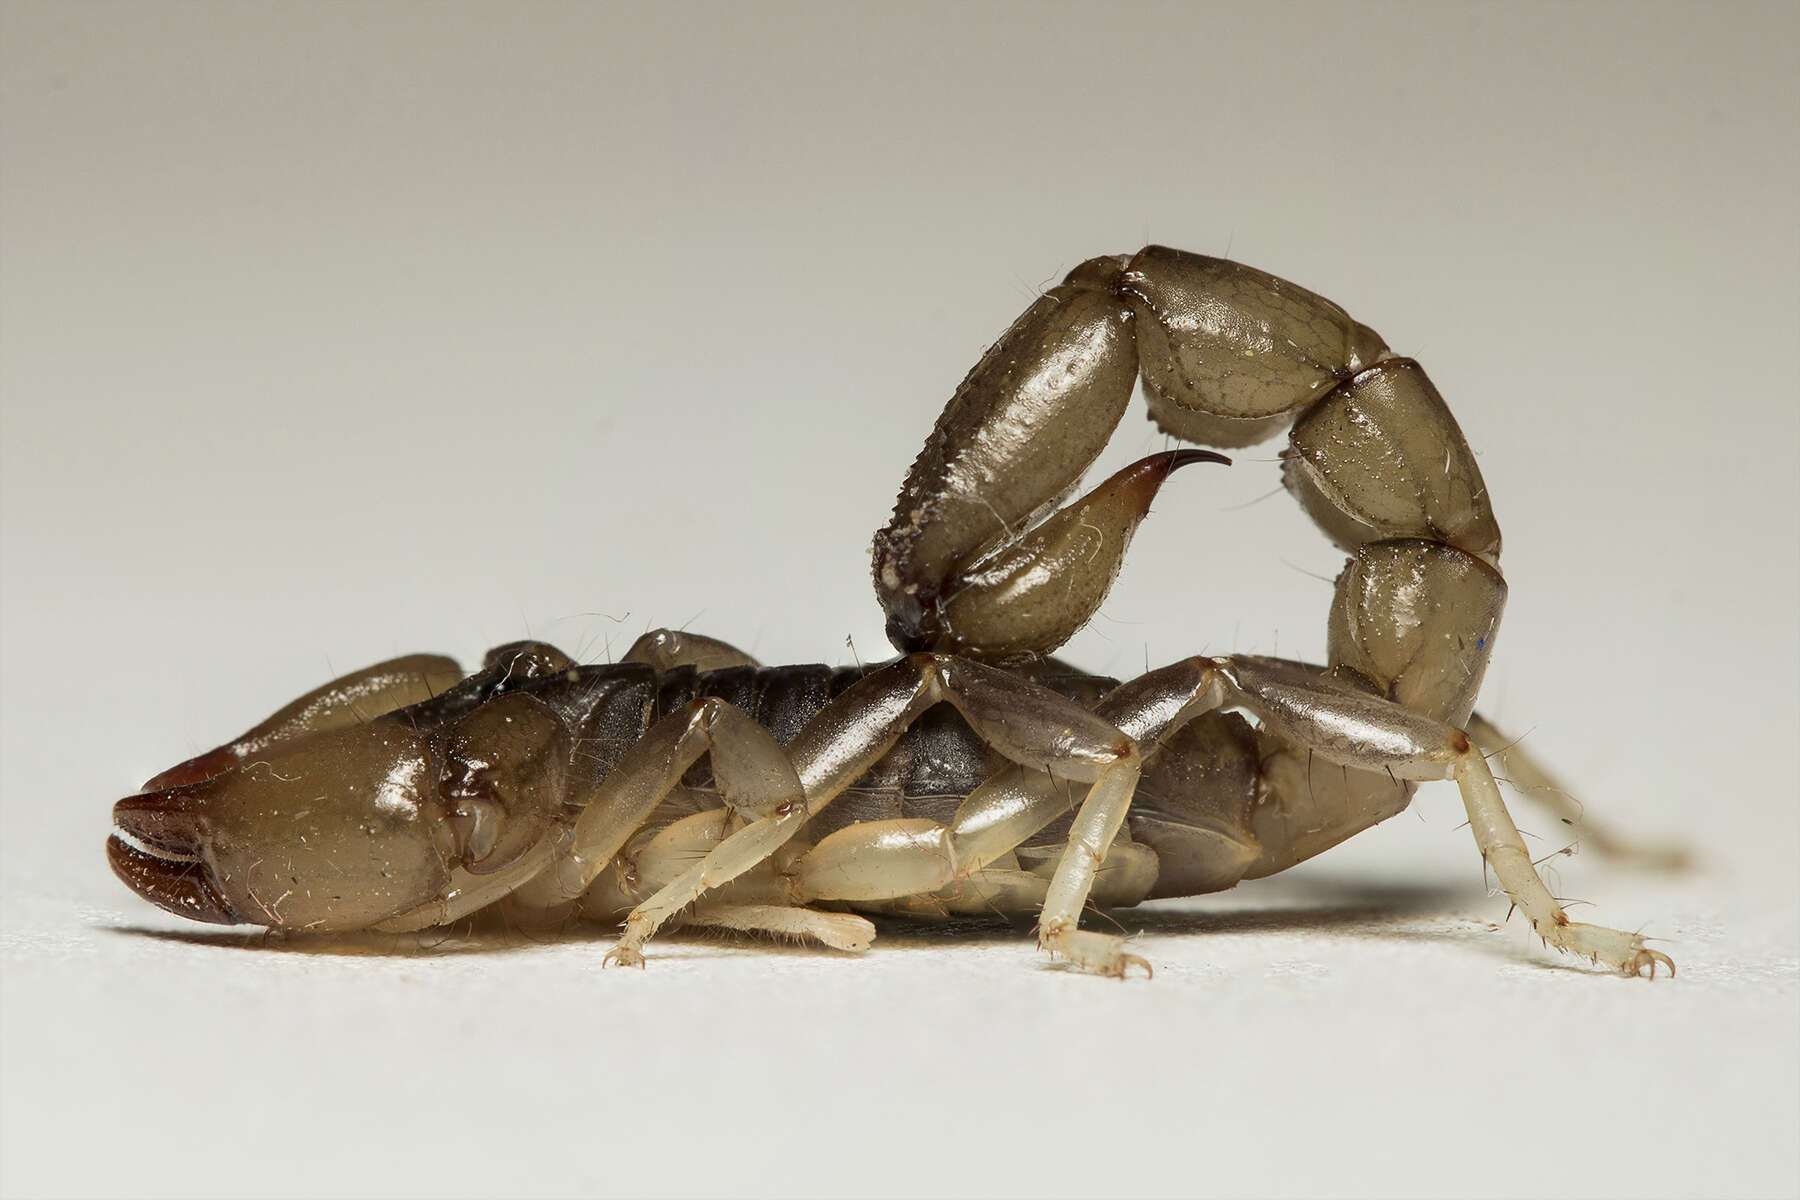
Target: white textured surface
[[336, 332], [1328, 1034]]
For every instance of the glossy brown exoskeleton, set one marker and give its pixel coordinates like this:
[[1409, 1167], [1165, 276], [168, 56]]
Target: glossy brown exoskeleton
[[974, 773]]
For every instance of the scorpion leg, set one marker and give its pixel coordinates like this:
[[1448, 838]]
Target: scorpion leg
[[1347, 724], [752, 772], [1024, 721], [666, 649], [759, 901], [840, 931], [916, 857], [913, 860]]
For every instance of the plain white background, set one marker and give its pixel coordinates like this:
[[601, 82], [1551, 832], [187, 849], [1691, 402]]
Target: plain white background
[[335, 332]]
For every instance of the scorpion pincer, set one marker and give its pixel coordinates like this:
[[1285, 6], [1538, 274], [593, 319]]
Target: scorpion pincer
[[974, 773]]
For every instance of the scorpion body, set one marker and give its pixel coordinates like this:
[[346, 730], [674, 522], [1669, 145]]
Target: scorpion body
[[1194, 800], [974, 773]]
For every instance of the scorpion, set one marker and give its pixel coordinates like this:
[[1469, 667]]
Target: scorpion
[[975, 773]]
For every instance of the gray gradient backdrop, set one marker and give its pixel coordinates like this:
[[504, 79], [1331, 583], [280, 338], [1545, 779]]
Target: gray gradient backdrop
[[335, 331]]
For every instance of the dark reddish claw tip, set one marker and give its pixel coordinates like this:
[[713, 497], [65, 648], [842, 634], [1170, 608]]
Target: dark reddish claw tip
[[155, 851]]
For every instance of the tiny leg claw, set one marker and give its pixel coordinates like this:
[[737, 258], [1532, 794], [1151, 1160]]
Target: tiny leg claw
[[628, 951], [1624, 952], [622, 955], [1094, 953]]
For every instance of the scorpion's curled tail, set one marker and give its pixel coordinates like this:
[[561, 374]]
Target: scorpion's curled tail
[[978, 560]]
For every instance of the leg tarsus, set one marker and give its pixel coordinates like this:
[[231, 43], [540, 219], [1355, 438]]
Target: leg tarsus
[[838, 930], [1625, 952], [623, 956], [1094, 953], [1504, 850]]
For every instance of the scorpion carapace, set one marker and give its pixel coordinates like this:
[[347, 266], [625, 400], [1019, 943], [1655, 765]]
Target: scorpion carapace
[[974, 773]]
